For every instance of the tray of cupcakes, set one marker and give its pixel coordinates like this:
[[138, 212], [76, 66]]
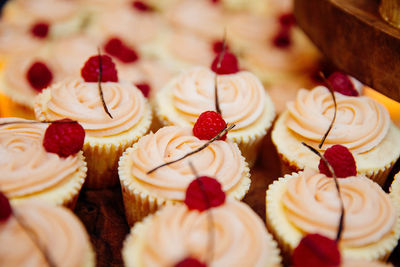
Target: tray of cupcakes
[[176, 133]]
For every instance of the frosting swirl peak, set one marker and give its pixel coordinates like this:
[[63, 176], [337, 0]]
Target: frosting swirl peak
[[361, 123]]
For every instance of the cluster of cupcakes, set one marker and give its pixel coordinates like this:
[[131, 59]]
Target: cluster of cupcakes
[[182, 158]]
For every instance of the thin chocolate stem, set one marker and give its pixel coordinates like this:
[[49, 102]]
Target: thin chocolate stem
[[33, 122], [100, 88], [209, 213], [334, 102], [35, 239], [219, 135], [220, 57], [341, 219]]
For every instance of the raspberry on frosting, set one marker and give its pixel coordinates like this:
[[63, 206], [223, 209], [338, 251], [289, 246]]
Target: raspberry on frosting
[[341, 160], [64, 137], [90, 71], [142, 6], [39, 76], [190, 262], [228, 64], [40, 30], [144, 87], [287, 20], [218, 46], [282, 39], [204, 193], [116, 48], [315, 250], [341, 83], [208, 125], [5, 208]]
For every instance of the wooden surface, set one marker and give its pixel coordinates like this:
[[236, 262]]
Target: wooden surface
[[353, 36], [102, 210]]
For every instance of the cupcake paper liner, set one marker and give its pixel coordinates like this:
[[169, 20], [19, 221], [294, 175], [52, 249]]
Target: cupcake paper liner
[[288, 236], [138, 202]]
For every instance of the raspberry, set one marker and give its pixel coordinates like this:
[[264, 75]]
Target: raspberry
[[90, 71], [229, 64], [5, 208], [141, 6], [315, 250], [204, 193], [215, 1], [116, 48], [287, 20], [190, 262], [145, 88], [40, 30], [64, 138], [282, 39], [218, 45], [341, 160], [208, 125], [39, 76], [342, 84]]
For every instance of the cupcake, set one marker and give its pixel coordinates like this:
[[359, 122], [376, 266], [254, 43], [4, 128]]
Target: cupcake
[[361, 124], [395, 188], [30, 170], [36, 234], [106, 136], [307, 202], [238, 236], [144, 193], [242, 101]]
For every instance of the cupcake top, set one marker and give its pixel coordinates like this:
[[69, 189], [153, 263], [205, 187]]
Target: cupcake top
[[80, 101], [26, 167], [240, 238], [57, 231], [361, 122], [221, 159], [311, 205], [242, 97]]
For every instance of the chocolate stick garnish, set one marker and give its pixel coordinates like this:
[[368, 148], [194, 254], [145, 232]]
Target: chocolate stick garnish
[[209, 213], [220, 57], [219, 135], [340, 227], [327, 82], [34, 122], [35, 239], [100, 88]]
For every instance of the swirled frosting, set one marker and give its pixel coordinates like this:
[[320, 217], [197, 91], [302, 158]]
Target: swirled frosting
[[56, 230], [312, 205], [361, 123], [241, 96], [49, 10], [240, 237], [220, 159], [80, 101], [25, 166]]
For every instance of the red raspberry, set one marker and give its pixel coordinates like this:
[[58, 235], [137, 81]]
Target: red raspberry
[[5, 208], [190, 262], [208, 125], [218, 45], [90, 71], [64, 138], [341, 160], [342, 84], [145, 88], [141, 6], [204, 193], [315, 250], [39, 76], [282, 39], [287, 20], [40, 30], [229, 64], [116, 48], [215, 1]]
